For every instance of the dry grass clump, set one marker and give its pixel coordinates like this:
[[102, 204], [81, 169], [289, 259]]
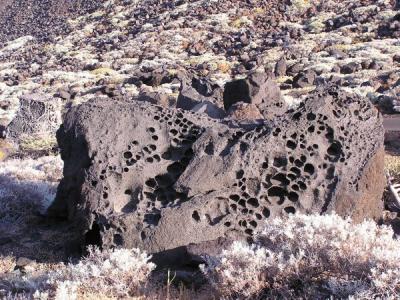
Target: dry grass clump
[[37, 143], [311, 257], [392, 165], [7, 264], [27, 185]]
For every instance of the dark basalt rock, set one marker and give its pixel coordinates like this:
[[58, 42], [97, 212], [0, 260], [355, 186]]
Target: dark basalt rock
[[174, 182], [37, 114], [304, 79], [280, 68], [259, 89], [194, 91]]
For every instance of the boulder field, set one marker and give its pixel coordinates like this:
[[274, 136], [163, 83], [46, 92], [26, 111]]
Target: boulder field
[[178, 184]]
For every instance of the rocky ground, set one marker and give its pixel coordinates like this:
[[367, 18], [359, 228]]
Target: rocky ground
[[55, 55]]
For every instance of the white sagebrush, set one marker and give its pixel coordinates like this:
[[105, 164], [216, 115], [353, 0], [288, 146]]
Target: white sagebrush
[[28, 185], [113, 273], [117, 273], [311, 256]]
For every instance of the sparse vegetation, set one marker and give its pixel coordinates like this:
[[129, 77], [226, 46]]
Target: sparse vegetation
[[392, 164], [112, 274], [311, 257], [299, 257], [38, 143]]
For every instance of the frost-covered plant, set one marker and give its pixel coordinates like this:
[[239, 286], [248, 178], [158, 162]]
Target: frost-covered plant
[[27, 186], [311, 256], [113, 273], [118, 273]]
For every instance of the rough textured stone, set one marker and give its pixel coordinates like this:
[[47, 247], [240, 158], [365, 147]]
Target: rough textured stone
[[171, 181], [37, 114], [195, 91], [280, 68], [304, 79], [244, 111], [259, 89]]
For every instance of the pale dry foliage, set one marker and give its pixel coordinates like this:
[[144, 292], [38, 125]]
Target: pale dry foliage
[[311, 257], [114, 274], [27, 185], [302, 257], [392, 166]]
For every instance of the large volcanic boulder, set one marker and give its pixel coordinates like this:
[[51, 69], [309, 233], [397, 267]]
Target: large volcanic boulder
[[138, 175]]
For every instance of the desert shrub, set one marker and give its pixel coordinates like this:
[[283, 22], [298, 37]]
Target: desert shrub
[[27, 186], [311, 257], [392, 166], [112, 273], [116, 274]]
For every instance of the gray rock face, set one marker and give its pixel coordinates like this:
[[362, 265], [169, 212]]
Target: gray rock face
[[138, 175]]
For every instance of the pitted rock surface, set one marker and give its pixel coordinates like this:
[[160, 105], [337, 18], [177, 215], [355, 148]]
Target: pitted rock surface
[[37, 114], [139, 175]]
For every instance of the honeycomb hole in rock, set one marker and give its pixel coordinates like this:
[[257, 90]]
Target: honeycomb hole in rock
[[266, 213], [298, 163], [280, 162], [196, 216], [290, 210], [151, 183], [128, 155], [297, 116], [280, 179], [277, 193], [302, 185], [309, 168], [311, 116], [295, 170], [335, 149], [253, 224], [249, 231], [253, 202], [93, 236], [118, 240], [294, 197]]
